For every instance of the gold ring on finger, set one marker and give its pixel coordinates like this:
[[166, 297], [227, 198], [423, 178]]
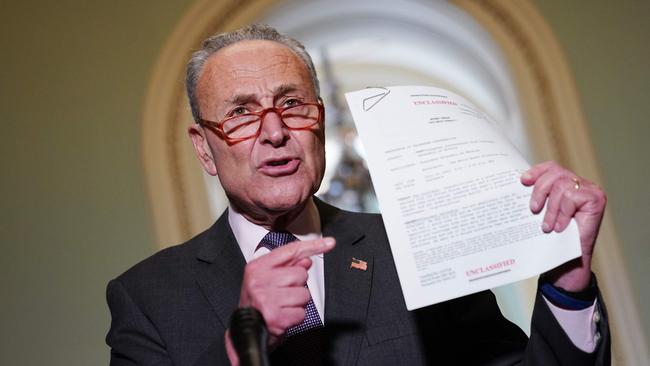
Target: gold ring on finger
[[576, 183]]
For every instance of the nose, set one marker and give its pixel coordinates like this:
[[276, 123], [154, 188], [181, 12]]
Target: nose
[[273, 130]]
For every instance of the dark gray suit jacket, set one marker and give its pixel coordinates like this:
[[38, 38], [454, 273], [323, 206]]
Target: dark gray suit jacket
[[173, 309]]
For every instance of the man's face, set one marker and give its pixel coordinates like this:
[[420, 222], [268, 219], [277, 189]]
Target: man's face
[[276, 172]]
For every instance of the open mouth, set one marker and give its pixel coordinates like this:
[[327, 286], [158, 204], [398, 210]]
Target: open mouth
[[279, 162], [280, 167]]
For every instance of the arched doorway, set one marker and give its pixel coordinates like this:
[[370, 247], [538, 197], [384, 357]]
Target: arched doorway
[[505, 59]]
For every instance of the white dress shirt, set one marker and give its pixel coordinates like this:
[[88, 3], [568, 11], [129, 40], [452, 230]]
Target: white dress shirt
[[579, 325]]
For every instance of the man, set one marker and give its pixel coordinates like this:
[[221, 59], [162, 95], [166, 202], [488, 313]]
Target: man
[[254, 95]]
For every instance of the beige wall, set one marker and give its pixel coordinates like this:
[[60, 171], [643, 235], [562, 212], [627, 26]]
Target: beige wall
[[607, 44], [74, 208], [75, 214]]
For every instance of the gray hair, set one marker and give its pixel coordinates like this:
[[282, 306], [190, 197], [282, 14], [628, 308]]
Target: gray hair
[[247, 33]]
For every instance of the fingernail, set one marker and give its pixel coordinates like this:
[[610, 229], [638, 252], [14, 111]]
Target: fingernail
[[534, 205], [328, 242], [546, 227], [526, 176]]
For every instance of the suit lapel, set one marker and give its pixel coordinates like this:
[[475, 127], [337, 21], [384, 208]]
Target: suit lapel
[[347, 289], [221, 277]]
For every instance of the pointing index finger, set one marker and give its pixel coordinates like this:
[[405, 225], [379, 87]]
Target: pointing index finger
[[292, 253]]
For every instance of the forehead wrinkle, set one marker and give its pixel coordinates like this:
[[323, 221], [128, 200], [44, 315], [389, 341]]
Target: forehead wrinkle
[[233, 70], [277, 63]]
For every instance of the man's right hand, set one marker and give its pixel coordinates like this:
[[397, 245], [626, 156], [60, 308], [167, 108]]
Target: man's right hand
[[274, 284]]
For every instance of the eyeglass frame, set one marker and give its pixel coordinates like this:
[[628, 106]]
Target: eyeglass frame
[[218, 126]]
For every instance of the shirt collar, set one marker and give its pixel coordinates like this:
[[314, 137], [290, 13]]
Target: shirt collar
[[306, 226]]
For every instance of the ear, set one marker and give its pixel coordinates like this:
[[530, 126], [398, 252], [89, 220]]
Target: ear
[[202, 149], [322, 120]]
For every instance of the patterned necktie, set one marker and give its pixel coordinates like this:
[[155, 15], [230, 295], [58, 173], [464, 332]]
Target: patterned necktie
[[274, 240]]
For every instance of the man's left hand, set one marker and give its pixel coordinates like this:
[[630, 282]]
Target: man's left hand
[[567, 196]]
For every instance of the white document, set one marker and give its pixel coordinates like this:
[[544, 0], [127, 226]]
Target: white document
[[448, 184]]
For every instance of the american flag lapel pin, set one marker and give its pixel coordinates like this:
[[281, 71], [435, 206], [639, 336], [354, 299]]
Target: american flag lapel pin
[[358, 264]]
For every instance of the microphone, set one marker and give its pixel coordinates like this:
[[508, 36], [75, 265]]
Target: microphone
[[249, 336]]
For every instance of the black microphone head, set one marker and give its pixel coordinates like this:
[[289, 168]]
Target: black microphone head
[[249, 336]]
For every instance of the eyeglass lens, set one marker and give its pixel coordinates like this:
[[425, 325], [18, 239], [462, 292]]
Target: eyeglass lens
[[300, 116]]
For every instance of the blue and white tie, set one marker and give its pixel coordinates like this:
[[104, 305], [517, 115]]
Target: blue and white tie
[[274, 240]]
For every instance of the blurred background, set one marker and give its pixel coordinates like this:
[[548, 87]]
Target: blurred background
[[78, 82]]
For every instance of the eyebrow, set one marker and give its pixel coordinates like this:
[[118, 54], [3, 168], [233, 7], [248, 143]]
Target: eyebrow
[[284, 89], [242, 99]]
